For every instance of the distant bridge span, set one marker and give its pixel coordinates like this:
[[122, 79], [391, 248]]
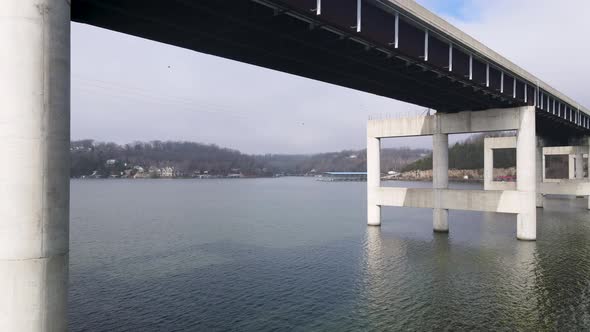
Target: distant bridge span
[[392, 48]]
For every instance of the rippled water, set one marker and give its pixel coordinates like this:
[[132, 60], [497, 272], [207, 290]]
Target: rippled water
[[295, 254]]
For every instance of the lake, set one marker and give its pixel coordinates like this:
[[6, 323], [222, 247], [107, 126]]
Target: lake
[[294, 254]]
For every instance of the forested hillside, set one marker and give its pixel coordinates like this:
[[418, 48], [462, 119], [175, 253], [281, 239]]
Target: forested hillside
[[468, 154], [189, 159]]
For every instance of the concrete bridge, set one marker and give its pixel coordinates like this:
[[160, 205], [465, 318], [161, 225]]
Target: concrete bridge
[[392, 48]]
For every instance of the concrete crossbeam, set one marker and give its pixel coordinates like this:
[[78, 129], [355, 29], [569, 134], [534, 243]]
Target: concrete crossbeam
[[564, 150], [454, 123], [507, 201], [566, 187]]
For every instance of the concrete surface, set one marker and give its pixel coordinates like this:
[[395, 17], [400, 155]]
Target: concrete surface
[[454, 123], [34, 172], [440, 178], [526, 184], [520, 201], [373, 180]]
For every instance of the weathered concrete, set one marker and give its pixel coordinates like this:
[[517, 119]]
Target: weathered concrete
[[440, 179], [34, 172], [373, 180], [526, 223]]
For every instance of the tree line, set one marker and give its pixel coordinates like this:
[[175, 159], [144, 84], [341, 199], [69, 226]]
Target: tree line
[[469, 154], [188, 159]]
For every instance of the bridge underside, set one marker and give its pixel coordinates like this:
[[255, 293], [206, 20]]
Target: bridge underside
[[287, 41]]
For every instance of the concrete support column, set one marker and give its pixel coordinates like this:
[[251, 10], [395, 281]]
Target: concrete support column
[[539, 162], [571, 163], [34, 171], [440, 179], [488, 167], [579, 166], [587, 143], [526, 226], [373, 180]]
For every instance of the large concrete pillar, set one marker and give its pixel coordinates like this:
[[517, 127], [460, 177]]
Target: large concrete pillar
[[373, 180], [571, 163], [586, 142], [440, 179], [579, 166], [34, 171], [488, 167], [539, 166], [526, 225]]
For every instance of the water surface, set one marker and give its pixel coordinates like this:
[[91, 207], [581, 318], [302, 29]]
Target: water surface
[[295, 254]]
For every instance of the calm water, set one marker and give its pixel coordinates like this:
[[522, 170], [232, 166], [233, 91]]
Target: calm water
[[293, 254]]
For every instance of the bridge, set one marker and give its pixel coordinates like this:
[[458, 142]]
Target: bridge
[[392, 48]]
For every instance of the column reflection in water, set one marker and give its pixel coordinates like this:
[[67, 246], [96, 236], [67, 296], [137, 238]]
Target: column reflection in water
[[383, 279], [510, 281]]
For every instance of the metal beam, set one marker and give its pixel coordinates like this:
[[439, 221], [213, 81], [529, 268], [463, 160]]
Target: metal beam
[[396, 40], [358, 15], [426, 45], [471, 66], [450, 56]]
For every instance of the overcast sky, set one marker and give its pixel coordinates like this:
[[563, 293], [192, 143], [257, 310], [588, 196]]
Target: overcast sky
[[126, 88]]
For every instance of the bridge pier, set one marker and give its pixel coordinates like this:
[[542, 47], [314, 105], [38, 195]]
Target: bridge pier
[[526, 183], [518, 199], [34, 172], [440, 179], [587, 143], [373, 180], [540, 165], [571, 181]]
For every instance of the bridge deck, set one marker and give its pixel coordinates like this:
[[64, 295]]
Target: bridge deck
[[392, 48]]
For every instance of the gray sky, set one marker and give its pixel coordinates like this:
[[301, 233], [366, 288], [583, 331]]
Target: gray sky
[[126, 88]]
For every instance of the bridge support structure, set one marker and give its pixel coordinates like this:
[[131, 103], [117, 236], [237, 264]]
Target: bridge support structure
[[34, 172], [572, 183], [520, 201], [575, 184]]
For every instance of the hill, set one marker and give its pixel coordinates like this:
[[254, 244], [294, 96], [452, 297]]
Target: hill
[[189, 159], [468, 154]]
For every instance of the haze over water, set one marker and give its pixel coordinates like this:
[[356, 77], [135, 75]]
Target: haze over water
[[296, 254]]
